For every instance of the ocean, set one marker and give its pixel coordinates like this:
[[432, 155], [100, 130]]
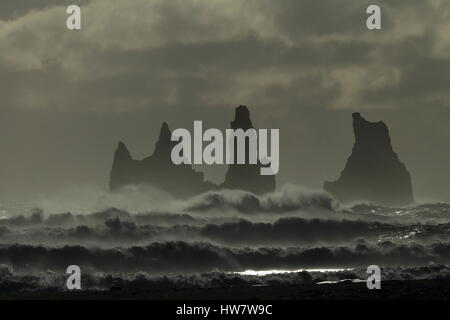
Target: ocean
[[222, 238]]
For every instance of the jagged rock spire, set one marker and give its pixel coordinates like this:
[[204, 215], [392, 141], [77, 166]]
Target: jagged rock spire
[[164, 144], [157, 170], [122, 152], [242, 119], [246, 177], [121, 162], [373, 171]]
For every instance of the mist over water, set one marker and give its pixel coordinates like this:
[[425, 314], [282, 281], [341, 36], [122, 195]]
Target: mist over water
[[141, 234]]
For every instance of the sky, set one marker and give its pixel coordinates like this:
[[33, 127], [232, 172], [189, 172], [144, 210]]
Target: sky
[[303, 66]]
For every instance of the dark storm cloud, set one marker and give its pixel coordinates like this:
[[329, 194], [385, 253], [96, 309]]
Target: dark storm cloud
[[179, 60], [12, 9], [193, 61]]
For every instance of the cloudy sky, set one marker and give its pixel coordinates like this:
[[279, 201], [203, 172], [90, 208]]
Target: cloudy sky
[[67, 97]]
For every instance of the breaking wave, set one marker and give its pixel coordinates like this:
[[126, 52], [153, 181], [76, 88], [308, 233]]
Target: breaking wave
[[288, 198], [172, 257]]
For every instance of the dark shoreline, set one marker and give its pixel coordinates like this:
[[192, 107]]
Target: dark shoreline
[[438, 289]]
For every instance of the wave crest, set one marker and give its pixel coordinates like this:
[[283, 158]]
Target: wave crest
[[288, 198]]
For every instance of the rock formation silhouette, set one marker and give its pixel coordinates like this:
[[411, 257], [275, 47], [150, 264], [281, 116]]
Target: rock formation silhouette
[[183, 181], [373, 171], [157, 170], [246, 176]]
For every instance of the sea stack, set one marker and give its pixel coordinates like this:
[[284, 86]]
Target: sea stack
[[157, 170], [246, 176], [373, 171]]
